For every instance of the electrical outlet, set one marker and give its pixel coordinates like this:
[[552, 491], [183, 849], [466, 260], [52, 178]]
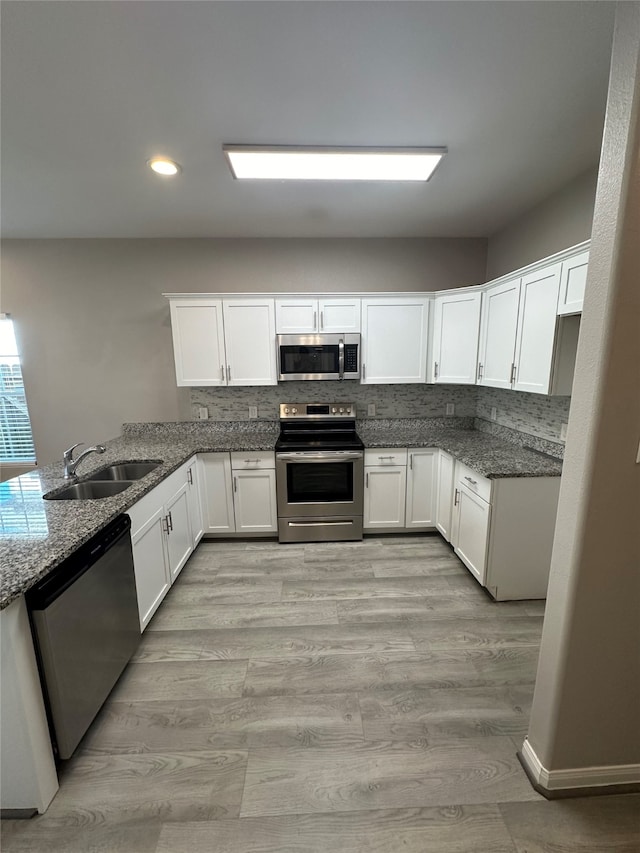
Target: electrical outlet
[[371, 409], [563, 432], [203, 413], [253, 411], [450, 409], [494, 413]]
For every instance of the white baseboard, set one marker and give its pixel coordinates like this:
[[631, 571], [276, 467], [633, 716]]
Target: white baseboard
[[580, 777]]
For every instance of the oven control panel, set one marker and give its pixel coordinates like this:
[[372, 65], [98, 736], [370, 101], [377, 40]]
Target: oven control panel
[[317, 410]]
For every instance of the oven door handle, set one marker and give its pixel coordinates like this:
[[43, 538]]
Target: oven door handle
[[330, 456], [341, 359]]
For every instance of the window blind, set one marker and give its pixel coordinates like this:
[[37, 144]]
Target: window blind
[[16, 439]]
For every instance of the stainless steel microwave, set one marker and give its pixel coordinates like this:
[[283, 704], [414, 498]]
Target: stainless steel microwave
[[318, 357]]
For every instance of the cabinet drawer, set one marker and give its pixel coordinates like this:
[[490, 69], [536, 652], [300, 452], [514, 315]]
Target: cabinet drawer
[[473, 481], [252, 460], [384, 456]]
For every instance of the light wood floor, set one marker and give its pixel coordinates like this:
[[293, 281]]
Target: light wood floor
[[356, 698]]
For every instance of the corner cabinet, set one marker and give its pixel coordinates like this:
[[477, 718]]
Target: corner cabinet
[[394, 340], [223, 342]]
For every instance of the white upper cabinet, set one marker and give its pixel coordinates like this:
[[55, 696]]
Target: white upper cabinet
[[537, 322], [198, 341], [315, 316], [456, 327], [572, 282], [394, 339], [498, 331], [250, 342], [224, 342]]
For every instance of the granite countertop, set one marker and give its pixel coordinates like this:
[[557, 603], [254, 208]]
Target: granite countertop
[[488, 455], [36, 535]]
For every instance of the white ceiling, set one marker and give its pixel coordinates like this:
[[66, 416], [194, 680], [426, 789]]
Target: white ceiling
[[91, 90]]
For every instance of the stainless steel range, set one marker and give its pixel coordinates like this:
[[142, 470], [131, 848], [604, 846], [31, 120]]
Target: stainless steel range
[[319, 473]]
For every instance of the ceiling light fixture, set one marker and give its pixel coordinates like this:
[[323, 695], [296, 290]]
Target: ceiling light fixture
[[165, 167], [292, 163]]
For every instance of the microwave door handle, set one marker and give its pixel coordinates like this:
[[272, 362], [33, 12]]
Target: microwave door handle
[[341, 358]]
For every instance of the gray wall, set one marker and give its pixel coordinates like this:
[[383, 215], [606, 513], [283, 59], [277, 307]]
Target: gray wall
[[94, 330], [560, 221], [586, 705]]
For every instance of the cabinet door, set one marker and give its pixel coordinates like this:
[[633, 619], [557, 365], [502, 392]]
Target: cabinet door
[[179, 540], [572, 283], [537, 320], [215, 492], [250, 341], [421, 488], [498, 331], [254, 499], [456, 327], [384, 496], [394, 340], [471, 531], [150, 565], [198, 341], [193, 496], [339, 315], [296, 316], [444, 499]]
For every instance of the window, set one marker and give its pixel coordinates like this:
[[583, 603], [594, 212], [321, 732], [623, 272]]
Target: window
[[16, 440]]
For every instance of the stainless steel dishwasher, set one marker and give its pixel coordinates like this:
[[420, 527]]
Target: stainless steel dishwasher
[[84, 618]]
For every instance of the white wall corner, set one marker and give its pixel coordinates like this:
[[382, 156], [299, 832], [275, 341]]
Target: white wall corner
[[557, 781]]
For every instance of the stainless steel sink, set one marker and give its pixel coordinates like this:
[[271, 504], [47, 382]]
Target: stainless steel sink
[[124, 471], [90, 491]]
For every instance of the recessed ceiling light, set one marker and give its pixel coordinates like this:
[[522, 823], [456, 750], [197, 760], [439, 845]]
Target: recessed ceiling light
[[291, 163], [164, 167]]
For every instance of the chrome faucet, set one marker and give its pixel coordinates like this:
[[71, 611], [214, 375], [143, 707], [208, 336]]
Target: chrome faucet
[[70, 464]]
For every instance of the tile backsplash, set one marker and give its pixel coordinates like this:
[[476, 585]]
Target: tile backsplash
[[529, 414], [391, 401], [533, 414]]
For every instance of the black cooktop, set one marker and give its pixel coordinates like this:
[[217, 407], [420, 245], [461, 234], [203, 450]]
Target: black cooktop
[[301, 435]]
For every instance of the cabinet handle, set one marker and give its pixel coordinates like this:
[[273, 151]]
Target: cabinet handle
[[249, 461], [385, 457], [228, 373], [480, 369], [190, 476], [170, 521], [222, 372], [235, 484], [315, 320], [366, 481], [165, 526], [411, 461], [322, 319], [435, 370], [455, 498], [513, 373], [473, 482], [364, 371]]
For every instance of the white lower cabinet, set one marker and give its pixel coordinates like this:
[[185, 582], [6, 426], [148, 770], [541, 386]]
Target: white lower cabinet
[[399, 489], [503, 530], [444, 494], [238, 493], [384, 497], [193, 497], [470, 530], [422, 474], [162, 540]]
